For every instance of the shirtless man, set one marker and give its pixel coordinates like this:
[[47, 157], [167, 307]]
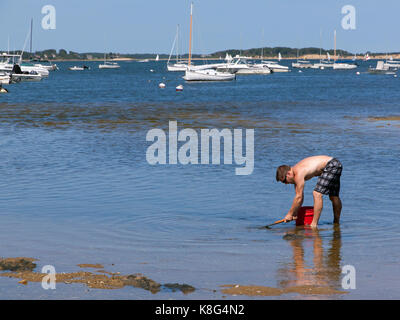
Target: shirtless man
[[328, 169]]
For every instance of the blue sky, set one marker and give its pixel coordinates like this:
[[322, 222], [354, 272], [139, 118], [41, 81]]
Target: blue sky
[[148, 26]]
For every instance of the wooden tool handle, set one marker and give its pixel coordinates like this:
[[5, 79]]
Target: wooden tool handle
[[276, 222]]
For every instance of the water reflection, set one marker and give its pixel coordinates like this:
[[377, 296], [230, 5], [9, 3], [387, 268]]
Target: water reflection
[[312, 264]]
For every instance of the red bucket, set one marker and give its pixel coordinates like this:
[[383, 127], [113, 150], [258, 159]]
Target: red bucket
[[305, 216]]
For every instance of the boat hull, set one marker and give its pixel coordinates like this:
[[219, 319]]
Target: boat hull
[[207, 75], [106, 66], [176, 67], [344, 66], [251, 71]]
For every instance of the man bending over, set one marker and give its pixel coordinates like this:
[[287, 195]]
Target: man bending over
[[328, 170]]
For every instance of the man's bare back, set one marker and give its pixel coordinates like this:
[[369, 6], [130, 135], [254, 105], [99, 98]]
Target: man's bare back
[[310, 167]]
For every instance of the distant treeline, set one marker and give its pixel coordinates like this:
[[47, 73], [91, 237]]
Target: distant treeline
[[286, 52]]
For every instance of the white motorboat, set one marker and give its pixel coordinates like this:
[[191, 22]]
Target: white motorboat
[[255, 69], [302, 64], [76, 68], [381, 68], [207, 75], [392, 63], [9, 60], [233, 65], [29, 67], [275, 67], [344, 65], [144, 60], [17, 75], [25, 77], [44, 64], [240, 66], [323, 64]]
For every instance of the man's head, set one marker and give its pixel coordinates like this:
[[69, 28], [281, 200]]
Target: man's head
[[284, 174]]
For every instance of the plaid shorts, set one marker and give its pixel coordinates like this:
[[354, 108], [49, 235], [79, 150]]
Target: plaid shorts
[[329, 181]]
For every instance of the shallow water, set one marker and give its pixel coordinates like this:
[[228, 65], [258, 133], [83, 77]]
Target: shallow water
[[76, 187]]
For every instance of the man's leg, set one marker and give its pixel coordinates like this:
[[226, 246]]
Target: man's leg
[[318, 203], [337, 208]]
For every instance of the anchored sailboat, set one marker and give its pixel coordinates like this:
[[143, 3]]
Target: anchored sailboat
[[203, 74], [342, 65], [108, 64], [178, 65]]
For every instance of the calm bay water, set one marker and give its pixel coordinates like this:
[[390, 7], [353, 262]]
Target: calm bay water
[[76, 187]]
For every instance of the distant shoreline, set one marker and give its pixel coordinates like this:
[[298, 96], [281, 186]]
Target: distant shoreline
[[304, 57]]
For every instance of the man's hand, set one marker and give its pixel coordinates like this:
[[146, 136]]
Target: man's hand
[[289, 217]]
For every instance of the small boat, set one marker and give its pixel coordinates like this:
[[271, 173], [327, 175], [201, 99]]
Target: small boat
[[381, 68], [17, 75], [179, 65], [275, 67], [392, 63], [323, 64], [5, 78], [144, 60], [255, 69], [76, 68], [46, 64], [232, 66], [207, 75], [108, 64], [157, 58], [302, 64], [344, 65]]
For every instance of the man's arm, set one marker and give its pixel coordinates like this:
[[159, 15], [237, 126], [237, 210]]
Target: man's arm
[[298, 199]]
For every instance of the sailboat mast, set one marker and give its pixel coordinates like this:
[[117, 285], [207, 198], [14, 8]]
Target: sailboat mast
[[335, 45], [190, 38], [177, 43], [30, 50], [320, 45], [262, 45]]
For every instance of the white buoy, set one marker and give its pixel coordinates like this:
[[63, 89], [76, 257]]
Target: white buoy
[[179, 88], [300, 71], [322, 68], [162, 85], [151, 70], [358, 72], [395, 75]]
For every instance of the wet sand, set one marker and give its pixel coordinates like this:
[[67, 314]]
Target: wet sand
[[22, 268], [253, 290]]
